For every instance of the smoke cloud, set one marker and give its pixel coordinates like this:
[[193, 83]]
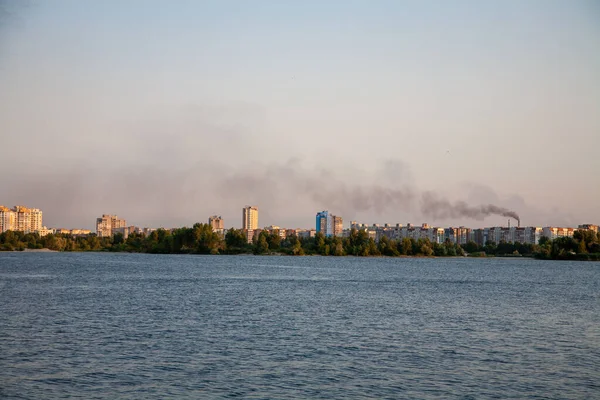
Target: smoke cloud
[[388, 190], [164, 172], [322, 188], [434, 206]]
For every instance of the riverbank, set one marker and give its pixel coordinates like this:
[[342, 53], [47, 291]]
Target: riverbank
[[200, 239]]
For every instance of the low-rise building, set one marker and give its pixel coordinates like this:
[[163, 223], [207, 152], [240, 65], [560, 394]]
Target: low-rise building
[[146, 231], [250, 234], [306, 233], [276, 230], [125, 231], [46, 231], [590, 227]]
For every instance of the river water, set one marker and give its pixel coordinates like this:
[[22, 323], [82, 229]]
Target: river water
[[137, 326]]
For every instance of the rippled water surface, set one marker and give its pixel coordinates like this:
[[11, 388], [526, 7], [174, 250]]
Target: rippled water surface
[[152, 327]]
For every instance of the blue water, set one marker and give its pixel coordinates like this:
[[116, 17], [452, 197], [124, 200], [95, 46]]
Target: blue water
[[107, 326]]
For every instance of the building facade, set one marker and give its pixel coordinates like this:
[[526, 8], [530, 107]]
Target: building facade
[[337, 225], [533, 235], [217, 224], [274, 229], [324, 223], [125, 231], [7, 219], [108, 225], [329, 224], [36, 220], [20, 218], [590, 227], [46, 231], [553, 233], [250, 218]]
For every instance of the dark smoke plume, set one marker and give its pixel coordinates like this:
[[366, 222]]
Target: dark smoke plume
[[433, 206], [280, 183]]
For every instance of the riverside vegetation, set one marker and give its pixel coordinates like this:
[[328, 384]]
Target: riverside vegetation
[[200, 239]]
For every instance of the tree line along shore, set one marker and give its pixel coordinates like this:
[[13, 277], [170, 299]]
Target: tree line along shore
[[200, 239]]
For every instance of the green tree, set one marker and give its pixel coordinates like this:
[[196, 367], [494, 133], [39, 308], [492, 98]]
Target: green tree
[[439, 250], [118, 238], [581, 248], [450, 248], [471, 247], [207, 241], [274, 241], [321, 246], [371, 248], [235, 239], [297, 249], [544, 240], [406, 247], [426, 249], [262, 244]]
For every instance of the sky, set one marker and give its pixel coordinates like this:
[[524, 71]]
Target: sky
[[167, 112]]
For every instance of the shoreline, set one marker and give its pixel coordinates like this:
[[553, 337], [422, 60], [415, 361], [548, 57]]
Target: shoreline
[[504, 256], [252, 254]]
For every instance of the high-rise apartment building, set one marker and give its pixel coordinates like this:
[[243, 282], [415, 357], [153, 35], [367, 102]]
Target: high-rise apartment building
[[323, 223], [7, 219], [337, 225], [250, 218], [329, 224], [107, 225], [20, 218], [216, 223], [36, 220]]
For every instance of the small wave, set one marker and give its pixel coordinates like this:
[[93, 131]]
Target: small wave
[[26, 276]]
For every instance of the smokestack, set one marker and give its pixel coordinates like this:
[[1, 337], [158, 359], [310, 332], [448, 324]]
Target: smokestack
[[518, 223], [509, 223]]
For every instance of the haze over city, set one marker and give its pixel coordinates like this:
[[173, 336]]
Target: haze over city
[[167, 112]]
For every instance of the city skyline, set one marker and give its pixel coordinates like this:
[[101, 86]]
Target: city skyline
[[29, 220], [168, 114]]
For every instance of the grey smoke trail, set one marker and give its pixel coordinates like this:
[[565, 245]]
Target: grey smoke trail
[[433, 206], [321, 187], [277, 185]]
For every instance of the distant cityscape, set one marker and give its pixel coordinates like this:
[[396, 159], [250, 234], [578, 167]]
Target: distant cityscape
[[29, 220]]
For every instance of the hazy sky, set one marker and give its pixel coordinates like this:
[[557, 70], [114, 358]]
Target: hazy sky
[[166, 112]]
